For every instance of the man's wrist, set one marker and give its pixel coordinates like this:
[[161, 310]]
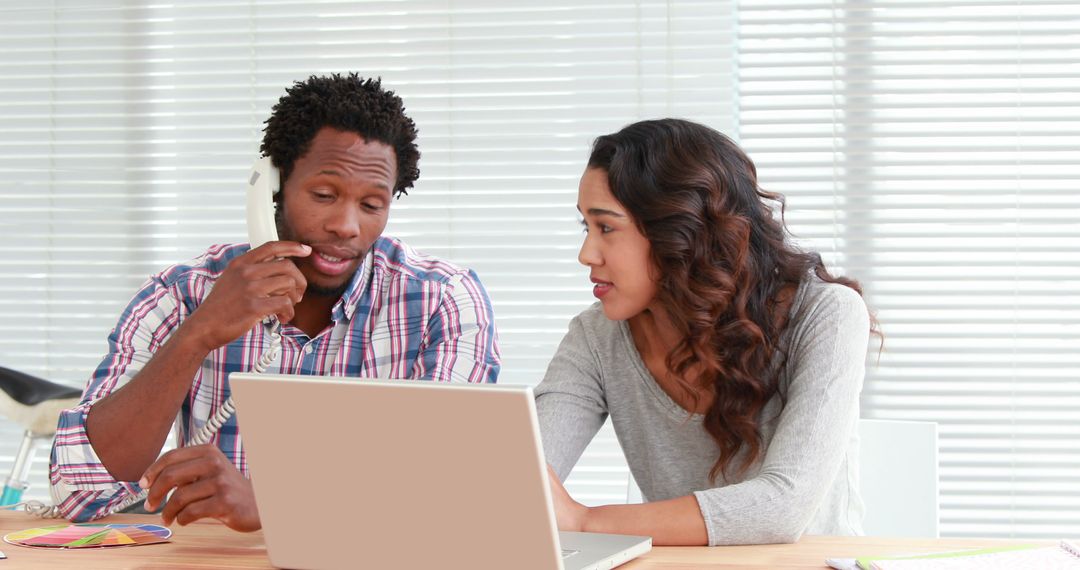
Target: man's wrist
[[192, 339]]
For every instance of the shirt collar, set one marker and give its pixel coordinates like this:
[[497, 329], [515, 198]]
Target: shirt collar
[[346, 305]]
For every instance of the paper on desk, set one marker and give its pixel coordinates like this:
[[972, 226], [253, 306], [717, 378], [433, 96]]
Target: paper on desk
[[1045, 558], [1002, 557], [854, 564]]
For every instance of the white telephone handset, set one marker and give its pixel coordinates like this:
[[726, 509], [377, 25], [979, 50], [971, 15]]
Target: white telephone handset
[[263, 183]]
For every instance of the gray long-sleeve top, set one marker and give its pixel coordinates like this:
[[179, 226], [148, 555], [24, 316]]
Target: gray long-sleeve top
[[808, 479]]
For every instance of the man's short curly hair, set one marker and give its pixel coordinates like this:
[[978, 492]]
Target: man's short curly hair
[[348, 103]]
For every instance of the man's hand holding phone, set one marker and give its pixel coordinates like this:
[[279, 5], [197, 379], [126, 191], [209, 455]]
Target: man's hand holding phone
[[260, 283]]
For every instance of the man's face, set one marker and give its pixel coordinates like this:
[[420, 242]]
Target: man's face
[[337, 200]]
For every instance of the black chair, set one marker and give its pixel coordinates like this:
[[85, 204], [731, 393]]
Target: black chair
[[34, 404]]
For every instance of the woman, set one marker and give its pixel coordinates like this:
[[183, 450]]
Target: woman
[[729, 361]]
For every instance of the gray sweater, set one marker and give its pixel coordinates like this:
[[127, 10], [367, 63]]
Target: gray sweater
[[808, 479]]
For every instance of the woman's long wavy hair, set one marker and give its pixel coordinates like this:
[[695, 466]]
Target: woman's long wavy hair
[[724, 264]]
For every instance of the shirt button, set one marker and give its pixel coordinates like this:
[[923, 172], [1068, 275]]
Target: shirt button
[[307, 349]]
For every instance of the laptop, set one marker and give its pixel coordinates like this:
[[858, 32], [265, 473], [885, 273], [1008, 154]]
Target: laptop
[[368, 473]]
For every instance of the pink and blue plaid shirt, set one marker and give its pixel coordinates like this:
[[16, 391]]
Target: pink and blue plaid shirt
[[404, 315]]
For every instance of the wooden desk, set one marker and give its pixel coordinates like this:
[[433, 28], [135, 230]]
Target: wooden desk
[[204, 545], [809, 552], [207, 545]]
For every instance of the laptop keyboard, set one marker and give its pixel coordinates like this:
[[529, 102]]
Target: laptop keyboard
[[568, 553]]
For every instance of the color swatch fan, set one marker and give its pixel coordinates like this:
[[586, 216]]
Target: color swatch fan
[[90, 535]]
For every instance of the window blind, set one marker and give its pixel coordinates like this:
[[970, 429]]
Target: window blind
[[932, 150], [129, 128]]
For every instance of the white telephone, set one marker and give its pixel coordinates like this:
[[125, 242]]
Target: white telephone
[[263, 182]]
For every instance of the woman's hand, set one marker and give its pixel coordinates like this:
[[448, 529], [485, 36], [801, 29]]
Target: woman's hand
[[570, 515]]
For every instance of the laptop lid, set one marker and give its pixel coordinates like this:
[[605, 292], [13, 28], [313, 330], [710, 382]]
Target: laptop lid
[[399, 474]]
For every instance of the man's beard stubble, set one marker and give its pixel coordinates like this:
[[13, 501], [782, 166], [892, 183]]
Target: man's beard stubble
[[285, 233]]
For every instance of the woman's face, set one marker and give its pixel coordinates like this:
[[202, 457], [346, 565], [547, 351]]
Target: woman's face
[[616, 253]]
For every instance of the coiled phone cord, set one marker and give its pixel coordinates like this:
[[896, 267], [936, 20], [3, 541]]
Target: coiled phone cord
[[203, 436]]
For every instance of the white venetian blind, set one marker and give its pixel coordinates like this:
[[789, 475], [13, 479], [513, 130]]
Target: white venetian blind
[[932, 150], [127, 128]]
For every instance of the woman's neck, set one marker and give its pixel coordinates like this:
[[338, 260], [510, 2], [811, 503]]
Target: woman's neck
[[655, 336], [654, 331]]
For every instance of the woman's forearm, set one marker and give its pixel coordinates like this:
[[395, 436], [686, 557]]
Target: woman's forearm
[[674, 522]]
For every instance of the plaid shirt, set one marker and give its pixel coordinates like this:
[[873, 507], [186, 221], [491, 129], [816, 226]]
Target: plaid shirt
[[404, 315]]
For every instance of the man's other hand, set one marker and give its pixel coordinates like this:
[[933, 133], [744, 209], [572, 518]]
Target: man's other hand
[[207, 485]]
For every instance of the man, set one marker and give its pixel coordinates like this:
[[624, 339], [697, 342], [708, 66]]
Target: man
[[350, 302]]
